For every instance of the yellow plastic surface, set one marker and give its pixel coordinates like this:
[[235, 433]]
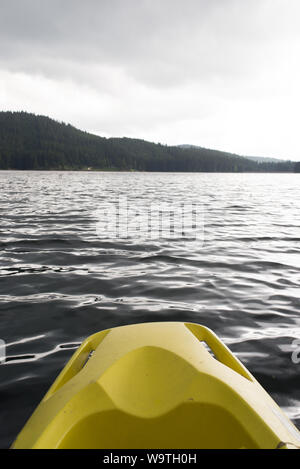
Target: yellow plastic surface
[[156, 385]]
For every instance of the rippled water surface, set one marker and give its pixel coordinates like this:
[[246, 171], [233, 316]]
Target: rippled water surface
[[60, 281]]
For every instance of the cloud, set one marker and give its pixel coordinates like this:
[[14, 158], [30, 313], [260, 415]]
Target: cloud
[[208, 72], [157, 43]]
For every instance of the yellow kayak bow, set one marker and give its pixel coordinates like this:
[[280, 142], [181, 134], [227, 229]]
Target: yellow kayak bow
[[157, 385]]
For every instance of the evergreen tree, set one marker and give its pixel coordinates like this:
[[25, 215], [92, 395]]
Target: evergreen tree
[[28, 141]]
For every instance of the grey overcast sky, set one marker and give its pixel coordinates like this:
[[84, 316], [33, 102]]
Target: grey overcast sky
[[221, 74]]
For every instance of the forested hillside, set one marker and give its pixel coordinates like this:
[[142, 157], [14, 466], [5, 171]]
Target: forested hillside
[[30, 142]]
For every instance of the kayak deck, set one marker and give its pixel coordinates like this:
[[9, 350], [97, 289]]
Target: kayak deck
[[156, 385]]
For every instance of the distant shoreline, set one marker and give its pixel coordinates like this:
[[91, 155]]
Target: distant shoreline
[[143, 171], [38, 143]]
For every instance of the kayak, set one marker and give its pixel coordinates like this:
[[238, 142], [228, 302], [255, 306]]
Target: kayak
[[170, 385]]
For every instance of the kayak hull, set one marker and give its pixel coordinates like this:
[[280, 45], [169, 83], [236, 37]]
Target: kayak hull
[[156, 385]]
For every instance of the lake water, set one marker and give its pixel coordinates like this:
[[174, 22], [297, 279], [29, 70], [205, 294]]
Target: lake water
[[60, 280]]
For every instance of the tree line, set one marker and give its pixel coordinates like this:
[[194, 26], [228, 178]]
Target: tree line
[[32, 142]]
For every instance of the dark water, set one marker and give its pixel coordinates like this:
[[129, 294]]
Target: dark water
[[60, 282]]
